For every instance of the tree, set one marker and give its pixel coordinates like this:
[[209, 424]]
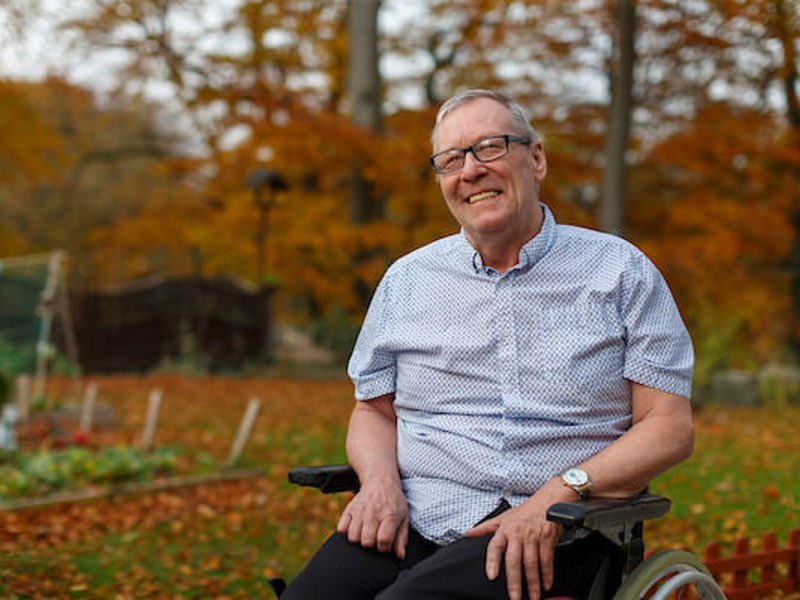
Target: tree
[[612, 198], [365, 96], [74, 165], [267, 85]]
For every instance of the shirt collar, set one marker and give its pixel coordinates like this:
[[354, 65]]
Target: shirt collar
[[529, 254]]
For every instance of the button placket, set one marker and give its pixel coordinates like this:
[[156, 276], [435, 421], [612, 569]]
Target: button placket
[[507, 370]]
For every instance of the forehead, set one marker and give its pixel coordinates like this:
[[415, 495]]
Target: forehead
[[471, 121]]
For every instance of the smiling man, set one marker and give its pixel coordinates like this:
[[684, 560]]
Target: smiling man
[[516, 364]]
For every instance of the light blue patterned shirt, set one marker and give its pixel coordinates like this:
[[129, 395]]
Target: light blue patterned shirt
[[503, 381]]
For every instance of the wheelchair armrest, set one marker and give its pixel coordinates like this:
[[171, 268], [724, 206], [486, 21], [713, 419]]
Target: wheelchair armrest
[[593, 513], [329, 479], [604, 513]]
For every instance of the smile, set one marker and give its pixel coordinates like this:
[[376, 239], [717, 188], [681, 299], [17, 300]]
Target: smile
[[482, 196]]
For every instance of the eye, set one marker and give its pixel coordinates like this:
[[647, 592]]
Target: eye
[[449, 161], [491, 144]]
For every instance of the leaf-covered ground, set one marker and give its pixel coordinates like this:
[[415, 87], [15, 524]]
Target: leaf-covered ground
[[225, 540]]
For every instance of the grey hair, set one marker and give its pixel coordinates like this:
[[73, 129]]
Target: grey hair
[[519, 119]]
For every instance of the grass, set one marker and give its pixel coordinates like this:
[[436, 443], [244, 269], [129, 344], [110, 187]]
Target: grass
[[226, 540], [741, 482]]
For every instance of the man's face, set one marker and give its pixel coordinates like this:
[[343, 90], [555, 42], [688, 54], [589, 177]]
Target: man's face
[[499, 198]]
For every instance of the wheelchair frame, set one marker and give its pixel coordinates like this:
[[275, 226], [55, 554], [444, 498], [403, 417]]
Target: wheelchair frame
[[622, 575]]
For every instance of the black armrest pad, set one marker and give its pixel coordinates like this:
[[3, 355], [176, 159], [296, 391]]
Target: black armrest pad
[[600, 513], [328, 478]]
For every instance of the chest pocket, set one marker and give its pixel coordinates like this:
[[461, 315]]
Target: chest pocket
[[584, 339]]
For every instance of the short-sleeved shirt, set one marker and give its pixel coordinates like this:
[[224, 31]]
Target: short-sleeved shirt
[[504, 380]]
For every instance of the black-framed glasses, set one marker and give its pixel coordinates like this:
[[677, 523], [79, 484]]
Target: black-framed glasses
[[484, 150]]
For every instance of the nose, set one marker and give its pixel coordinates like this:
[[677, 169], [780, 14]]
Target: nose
[[473, 168]]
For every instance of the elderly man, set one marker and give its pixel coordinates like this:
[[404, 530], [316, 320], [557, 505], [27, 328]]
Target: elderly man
[[516, 364]]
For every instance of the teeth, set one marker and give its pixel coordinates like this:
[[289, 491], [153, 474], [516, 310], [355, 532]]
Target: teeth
[[481, 196]]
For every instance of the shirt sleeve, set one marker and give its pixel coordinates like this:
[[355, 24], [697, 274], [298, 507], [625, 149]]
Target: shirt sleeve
[[659, 351], [372, 366]]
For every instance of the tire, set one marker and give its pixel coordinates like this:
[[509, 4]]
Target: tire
[[666, 572]]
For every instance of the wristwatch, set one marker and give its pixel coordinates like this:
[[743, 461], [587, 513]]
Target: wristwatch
[[578, 480]]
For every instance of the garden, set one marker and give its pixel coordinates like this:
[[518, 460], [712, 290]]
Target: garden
[[224, 538]]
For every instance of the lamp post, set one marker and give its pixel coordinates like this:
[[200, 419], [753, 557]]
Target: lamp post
[[258, 180]]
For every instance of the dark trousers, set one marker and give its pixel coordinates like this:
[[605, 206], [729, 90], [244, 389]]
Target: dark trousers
[[344, 571]]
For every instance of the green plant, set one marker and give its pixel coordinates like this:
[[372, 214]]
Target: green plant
[[47, 471]]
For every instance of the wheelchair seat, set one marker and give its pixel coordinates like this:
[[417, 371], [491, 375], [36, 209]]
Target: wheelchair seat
[[622, 574]]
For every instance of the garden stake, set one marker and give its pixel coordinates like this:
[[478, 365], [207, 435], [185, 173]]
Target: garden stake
[[153, 404], [245, 428], [87, 411], [24, 397]]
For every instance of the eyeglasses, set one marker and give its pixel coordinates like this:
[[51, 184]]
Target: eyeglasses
[[484, 150]]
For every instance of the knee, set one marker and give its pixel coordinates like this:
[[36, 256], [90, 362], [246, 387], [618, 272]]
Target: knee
[[343, 571]]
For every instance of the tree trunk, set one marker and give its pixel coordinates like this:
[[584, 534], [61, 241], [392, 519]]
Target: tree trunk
[[612, 214], [365, 96], [789, 76]]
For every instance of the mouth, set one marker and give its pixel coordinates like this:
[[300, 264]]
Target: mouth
[[475, 198]]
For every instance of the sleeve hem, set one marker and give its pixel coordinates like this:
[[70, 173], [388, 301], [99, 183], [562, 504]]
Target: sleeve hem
[[666, 379], [375, 384]]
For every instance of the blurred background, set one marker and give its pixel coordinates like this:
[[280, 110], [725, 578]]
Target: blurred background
[[198, 197], [227, 181]]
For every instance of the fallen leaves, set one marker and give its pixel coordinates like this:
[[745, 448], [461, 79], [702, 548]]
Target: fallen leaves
[[226, 540]]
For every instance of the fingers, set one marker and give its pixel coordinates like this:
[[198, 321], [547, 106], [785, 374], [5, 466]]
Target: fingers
[[514, 552], [484, 528], [401, 540], [353, 531], [525, 551], [344, 522], [369, 533], [494, 555], [547, 551], [531, 565], [385, 534], [383, 530]]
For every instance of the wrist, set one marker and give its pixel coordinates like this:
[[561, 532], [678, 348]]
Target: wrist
[[577, 480], [380, 478]]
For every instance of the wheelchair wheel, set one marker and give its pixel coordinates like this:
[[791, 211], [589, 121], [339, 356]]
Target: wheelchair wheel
[[670, 574]]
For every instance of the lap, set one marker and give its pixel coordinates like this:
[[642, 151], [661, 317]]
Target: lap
[[342, 570], [455, 571]]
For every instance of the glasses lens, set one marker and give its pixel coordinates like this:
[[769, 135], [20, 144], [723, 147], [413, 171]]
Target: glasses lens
[[491, 148], [451, 160]]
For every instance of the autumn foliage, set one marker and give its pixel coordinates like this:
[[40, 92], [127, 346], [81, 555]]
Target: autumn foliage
[[131, 185]]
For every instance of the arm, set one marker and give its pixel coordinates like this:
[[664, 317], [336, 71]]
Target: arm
[[377, 517], [662, 435]]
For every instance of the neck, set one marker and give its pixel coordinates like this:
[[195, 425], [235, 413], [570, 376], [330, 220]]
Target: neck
[[501, 253]]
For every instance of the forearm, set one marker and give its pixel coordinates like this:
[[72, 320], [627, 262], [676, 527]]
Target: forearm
[[372, 441], [662, 435], [377, 517]]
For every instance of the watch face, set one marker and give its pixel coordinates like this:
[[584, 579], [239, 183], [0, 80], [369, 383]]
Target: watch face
[[575, 477]]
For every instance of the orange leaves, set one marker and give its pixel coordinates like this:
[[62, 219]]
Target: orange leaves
[[717, 219]]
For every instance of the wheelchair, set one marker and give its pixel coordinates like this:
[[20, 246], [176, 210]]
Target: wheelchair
[[622, 574]]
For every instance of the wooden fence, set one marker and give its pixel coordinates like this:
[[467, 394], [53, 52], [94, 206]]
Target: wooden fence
[[747, 575]]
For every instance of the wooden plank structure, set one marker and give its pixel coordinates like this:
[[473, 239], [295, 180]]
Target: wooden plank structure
[[747, 575], [217, 323]]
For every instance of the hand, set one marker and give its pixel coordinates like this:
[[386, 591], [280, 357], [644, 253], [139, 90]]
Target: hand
[[527, 539], [377, 517]]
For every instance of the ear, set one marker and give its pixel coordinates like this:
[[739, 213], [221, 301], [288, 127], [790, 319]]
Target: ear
[[539, 160]]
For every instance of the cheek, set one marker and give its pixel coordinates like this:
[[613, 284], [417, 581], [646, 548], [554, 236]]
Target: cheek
[[448, 190]]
